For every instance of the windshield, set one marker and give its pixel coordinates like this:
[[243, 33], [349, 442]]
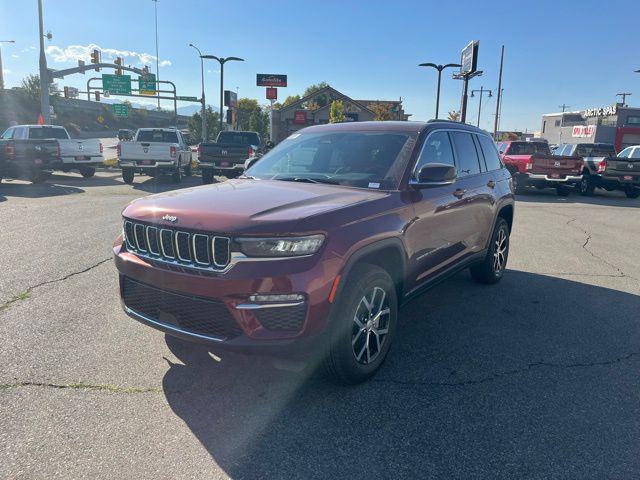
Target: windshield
[[239, 138], [42, 133], [528, 148], [357, 159], [595, 150], [160, 136]]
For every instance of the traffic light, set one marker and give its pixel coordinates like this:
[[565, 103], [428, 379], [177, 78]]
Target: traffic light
[[95, 58], [66, 92], [118, 61], [97, 96]]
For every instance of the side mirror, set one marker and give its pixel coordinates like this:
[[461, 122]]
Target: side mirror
[[435, 175]]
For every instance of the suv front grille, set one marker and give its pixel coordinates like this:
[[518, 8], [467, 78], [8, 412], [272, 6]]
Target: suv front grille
[[197, 250], [190, 314]]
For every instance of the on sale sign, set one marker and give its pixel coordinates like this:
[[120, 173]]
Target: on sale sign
[[300, 117], [582, 131]]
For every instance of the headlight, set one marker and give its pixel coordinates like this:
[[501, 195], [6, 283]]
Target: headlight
[[280, 246]]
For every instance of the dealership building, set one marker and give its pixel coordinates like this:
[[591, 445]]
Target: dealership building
[[306, 112], [617, 124]]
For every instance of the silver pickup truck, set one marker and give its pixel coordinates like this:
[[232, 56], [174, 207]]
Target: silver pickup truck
[[155, 151]]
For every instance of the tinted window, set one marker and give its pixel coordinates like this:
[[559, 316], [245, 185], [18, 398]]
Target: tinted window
[[160, 136], [595, 150], [47, 132], [467, 162], [528, 148], [625, 153], [490, 154], [239, 138], [358, 159], [8, 133], [636, 153], [437, 149]]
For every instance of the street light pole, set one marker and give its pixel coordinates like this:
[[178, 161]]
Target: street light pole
[[222, 61], [204, 119], [155, 3], [481, 91], [44, 73], [1, 74], [440, 68]]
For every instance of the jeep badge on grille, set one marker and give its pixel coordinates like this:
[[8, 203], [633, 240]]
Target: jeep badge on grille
[[170, 218]]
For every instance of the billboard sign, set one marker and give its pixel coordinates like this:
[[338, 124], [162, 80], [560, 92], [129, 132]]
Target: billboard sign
[[230, 99], [271, 80], [469, 58], [272, 93], [300, 117]]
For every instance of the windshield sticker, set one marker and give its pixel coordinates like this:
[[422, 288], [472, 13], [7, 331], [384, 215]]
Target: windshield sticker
[[374, 185]]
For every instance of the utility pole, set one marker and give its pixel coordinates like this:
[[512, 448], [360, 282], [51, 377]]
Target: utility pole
[[624, 97], [155, 3], [45, 107], [496, 121], [563, 107], [204, 119], [481, 91], [1, 74]]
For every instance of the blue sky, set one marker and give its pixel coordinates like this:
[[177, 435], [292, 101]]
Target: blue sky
[[561, 51]]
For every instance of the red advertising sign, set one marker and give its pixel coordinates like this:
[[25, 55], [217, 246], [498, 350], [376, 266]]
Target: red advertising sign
[[271, 80], [272, 93], [300, 117], [582, 131]]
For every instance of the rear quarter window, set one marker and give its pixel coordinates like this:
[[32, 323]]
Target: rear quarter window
[[490, 153], [467, 161]]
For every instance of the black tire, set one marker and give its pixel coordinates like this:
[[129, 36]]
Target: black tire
[[187, 172], [488, 271], [586, 185], [127, 175], [563, 190], [518, 187], [176, 176], [87, 172], [353, 352], [631, 192], [39, 177], [207, 177]]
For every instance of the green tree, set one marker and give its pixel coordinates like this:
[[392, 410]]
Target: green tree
[[253, 117], [381, 111], [321, 100], [31, 86], [213, 124], [336, 112]]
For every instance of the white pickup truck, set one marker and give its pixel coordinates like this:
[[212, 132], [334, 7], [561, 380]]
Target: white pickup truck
[[155, 151], [73, 154]]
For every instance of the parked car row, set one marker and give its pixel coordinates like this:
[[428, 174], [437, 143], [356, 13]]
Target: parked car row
[[586, 166], [35, 151]]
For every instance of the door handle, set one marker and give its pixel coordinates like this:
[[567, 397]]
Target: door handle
[[491, 184], [459, 193]]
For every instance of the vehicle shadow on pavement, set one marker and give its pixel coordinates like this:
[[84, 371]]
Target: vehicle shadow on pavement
[[536, 376], [601, 197], [163, 183], [22, 189]]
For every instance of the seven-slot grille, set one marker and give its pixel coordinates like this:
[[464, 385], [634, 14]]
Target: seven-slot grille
[[198, 250]]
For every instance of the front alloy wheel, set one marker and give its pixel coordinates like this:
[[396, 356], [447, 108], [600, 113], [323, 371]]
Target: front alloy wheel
[[370, 326], [500, 251]]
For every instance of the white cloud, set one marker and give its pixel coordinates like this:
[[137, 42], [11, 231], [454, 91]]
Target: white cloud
[[6, 71], [73, 53], [13, 55]]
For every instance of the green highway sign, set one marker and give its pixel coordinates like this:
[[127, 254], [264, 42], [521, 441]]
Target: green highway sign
[[116, 84], [121, 109], [188, 99], [147, 85]]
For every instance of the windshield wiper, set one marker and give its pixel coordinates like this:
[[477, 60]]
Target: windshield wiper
[[308, 180]]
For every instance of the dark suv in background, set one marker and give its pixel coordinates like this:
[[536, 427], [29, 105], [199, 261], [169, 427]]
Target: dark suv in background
[[313, 250]]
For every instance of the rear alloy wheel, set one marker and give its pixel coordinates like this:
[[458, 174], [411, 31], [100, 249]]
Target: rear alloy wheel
[[563, 190], [176, 176], [127, 175], [586, 185], [492, 268], [363, 327], [87, 172], [631, 192], [188, 170]]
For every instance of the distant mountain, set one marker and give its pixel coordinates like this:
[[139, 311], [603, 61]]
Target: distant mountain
[[191, 109]]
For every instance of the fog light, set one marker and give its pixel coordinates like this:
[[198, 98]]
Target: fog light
[[289, 297]]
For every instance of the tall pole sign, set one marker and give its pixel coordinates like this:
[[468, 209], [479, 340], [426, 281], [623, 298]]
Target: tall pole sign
[[499, 99], [468, 70], [271, 81]]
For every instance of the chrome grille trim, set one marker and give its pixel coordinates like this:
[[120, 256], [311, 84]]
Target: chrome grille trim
[[179, 247]]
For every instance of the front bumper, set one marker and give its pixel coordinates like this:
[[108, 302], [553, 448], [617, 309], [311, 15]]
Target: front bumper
[[250, 327]]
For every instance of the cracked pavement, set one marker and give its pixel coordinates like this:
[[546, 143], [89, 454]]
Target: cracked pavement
[[537, 377]]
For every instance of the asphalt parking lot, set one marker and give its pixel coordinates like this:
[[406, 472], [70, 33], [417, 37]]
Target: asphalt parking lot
[[536, 377]]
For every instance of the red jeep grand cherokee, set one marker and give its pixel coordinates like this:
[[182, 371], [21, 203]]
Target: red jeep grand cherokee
[[311, 252]]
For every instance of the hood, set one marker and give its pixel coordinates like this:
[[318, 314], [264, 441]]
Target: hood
[[243, 205]]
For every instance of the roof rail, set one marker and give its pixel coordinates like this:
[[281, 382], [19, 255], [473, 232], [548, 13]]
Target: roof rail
[[433, 120]]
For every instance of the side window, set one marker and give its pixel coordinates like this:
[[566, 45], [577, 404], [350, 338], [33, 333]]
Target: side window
[[625, 153], [636, 153], [8, 134], [436, 149], [20, 133], [490, 154], [466, 155]]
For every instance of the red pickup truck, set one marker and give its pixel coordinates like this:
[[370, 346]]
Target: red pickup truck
[[532, 164]]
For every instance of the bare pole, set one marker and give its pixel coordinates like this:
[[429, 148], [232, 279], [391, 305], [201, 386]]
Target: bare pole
[[204, 120], [496, 120], [155, 3], [44, 74]]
